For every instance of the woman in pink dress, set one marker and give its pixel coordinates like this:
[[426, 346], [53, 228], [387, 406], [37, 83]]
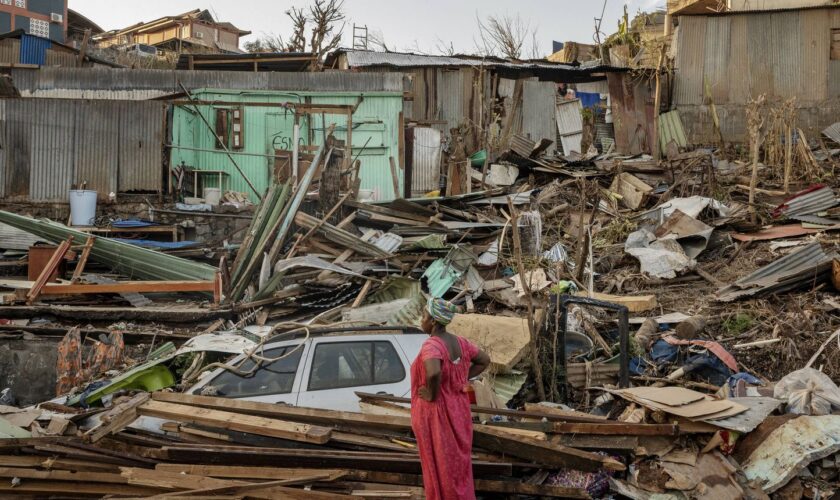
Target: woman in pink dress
[[440, 405]]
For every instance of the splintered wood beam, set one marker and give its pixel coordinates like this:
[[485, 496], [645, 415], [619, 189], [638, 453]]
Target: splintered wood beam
[[129, 287], [48, 270], [237, 422], [80, 267]]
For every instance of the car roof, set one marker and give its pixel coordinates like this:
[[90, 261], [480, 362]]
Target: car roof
[[358, 333]]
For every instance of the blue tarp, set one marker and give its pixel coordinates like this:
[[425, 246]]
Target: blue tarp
[[165, 245], [132, 223], [589, 99]]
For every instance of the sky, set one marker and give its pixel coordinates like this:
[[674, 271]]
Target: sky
[[405, 25]]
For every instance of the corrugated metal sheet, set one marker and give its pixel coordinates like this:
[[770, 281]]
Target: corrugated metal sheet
[[15, 239], [739, 88], [834, 79], [53, 143], [716, 56], [538, 112], [571, 143], [425, 169], [33, 49], [106, 83], [782, 274], [833, 132], [96, 145], [815, 44], [53, 148], [5, 144], [759, 69], [10, 51], [785, 56], [569, 120], [61, 58], [451, 87], [671, 129], [690, 60], [141, 128], [809, 203]]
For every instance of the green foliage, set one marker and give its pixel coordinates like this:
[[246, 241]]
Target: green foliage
[[738, 324]]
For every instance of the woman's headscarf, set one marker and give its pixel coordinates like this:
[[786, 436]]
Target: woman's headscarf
[[441, 310]]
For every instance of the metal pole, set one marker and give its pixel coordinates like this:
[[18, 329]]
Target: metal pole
[[222, 144]]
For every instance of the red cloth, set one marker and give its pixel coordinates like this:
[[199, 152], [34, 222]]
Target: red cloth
[[443, 428]]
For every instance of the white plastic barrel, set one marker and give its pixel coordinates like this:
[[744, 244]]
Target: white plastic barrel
[[82, 207], [212, 196]]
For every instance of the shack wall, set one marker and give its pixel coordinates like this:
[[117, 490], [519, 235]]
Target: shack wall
[[375, 136], [50, 144], [735, 58]]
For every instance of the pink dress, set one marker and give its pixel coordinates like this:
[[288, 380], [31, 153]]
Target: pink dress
[[443, 428]]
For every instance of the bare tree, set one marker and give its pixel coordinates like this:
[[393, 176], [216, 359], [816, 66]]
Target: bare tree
[[324, 17], [504, 35], [444, 48], [298, 41]]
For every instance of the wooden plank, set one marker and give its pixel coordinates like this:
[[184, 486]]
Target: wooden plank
[[638, 303], [309, 415], [621, 429], [174, 481], [541, 452], [117, 418], [237, 422], [48, 270], [318, 458], [241, 472], [53, 463], [80, 266], [274, 486], [129, 287], [51, 488]]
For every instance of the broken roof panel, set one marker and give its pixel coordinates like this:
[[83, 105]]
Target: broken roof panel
[[807, 265], [808, 202]]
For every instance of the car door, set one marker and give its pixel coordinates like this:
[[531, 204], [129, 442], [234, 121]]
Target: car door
[[337, 368], [276, 380]]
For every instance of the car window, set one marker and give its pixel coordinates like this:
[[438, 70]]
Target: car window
[[352, 364], [277, 377]]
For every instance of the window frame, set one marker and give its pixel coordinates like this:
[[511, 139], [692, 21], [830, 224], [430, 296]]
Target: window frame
[[372, 344]]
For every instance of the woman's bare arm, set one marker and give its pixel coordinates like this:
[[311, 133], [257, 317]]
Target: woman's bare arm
[[479, 363], [433, 378]]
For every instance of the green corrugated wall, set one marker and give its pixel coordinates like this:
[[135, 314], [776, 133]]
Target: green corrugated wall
[[267, 128]]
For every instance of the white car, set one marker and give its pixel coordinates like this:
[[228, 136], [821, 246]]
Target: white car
[[322, 371]]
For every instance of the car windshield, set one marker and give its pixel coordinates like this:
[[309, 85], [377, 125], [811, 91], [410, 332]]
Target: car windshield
[[274, 374]]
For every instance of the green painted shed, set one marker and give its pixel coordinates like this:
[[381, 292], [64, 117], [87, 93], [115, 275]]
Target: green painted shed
[[257, 123]]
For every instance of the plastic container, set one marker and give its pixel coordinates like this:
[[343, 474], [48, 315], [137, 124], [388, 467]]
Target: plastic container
[[212, 196], [82, 207]]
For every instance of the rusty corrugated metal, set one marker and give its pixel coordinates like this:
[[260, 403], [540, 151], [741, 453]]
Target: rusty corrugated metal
[[834, 78], [785, 53], [96, 145], [813, 47], [688, 88], [50, 144], [739, 88], [141, 135], [134, 84], [425, 169], [3, 153], [759, 69], [10, 51], [716, 59], [538, 112], [52, 147]]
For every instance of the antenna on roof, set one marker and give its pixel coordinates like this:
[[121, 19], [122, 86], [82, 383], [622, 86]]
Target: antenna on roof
[[360, 37]]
